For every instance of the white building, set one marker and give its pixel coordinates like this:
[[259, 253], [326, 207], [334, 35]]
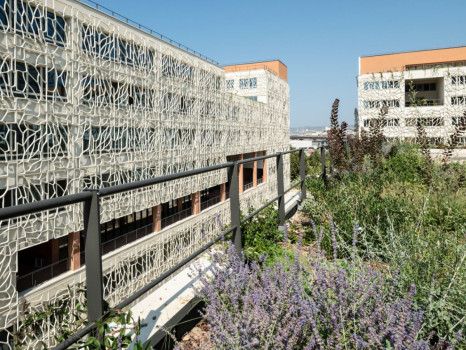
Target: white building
[[421, 87], [89, 101]]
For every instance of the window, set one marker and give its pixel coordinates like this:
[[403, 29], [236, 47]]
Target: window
[[381, 103], [254, 98], [230, 84], [248, 83], [458, 80], [421, 87], [172, 67], [31, 193], [25, 80], [458, 100], [386, 122], [455, 121], [31, 20], [56, 85], [391, 122], [106, 46], [391, 84], [435, 121], [376, 85], [371, 85], [4, 13], [55, 29], [111, 93]]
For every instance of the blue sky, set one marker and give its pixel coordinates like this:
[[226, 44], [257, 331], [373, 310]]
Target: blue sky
[[319, 41]]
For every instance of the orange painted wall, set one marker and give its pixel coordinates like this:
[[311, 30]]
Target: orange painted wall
[[276, 67], [398, 61]]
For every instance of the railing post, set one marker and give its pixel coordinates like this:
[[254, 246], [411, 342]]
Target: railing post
[[281, 191], [234, 206], [324, 169], [302, 173], [93, 257], [331, 162]]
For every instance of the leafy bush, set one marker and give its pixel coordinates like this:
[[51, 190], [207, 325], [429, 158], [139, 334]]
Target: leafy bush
[[260, 235], [312, 164], [414, 228]]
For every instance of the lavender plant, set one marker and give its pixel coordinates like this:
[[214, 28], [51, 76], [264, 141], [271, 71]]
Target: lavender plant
[[310, 303]]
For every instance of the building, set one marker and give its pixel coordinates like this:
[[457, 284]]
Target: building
[[420, 88], [259, 81], [87, 101]]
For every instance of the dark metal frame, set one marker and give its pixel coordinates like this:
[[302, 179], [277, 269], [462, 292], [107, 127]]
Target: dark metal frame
[[93, 252]]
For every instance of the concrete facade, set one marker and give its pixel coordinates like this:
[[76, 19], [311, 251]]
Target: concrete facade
[[88, 101], [422, 87]]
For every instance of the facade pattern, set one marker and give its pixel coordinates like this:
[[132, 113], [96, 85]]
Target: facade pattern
[[87, 101], [431, 95]]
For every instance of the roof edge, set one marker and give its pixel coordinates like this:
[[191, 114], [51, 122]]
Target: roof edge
[[399, 52], [244, 63]]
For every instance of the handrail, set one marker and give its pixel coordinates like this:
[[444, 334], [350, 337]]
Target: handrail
[[45, 204], [93, 251], [161, 179]]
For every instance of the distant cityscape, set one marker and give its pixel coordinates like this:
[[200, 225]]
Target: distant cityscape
[[312, 130]]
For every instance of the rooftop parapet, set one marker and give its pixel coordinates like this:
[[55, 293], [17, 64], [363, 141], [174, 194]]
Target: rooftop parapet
[[275, 66], [396, 62]]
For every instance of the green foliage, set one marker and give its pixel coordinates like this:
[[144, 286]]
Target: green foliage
[[412, 228], [67, 313], [260, 235], [294, 165], [69, 317], [312, 164]]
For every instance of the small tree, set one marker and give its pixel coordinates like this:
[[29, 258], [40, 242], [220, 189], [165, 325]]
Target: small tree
[[376, 137], [336, 139]]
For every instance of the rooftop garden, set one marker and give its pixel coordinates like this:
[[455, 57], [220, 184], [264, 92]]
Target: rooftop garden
[[375, 260]]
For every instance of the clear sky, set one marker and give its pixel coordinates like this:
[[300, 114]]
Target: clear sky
[[319, 41]]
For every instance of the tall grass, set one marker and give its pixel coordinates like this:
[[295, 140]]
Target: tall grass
[[409, 227]]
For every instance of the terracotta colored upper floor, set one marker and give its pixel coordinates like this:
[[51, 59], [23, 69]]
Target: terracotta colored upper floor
[[401, 61], [276, 67]]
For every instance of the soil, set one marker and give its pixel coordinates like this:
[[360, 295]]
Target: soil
[[196, 338]]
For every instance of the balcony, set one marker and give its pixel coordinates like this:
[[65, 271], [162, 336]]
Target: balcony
[[423, 102], [424, 92]]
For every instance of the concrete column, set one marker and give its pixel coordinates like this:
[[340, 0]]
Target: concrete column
[[55, 254], [241, 175], [180, 203], [74, 250], [264, 170], [196, 203], [223, 192], [157, 218], [254, 170]]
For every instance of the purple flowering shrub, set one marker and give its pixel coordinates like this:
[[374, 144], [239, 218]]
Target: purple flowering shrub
[[307, 303]]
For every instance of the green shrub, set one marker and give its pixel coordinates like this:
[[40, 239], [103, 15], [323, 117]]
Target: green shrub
[[260, 235], [408, 226]]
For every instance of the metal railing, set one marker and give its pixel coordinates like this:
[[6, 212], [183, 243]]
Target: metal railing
[[42, 274], [91, 213], [210, 202], [248, 186], [422, 102], [120, 241], [183, 214]]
